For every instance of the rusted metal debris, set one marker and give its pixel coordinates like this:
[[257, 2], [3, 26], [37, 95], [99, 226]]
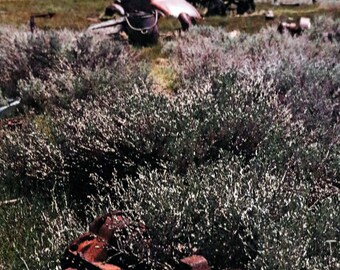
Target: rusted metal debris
[[101, 247], [87, 253], [139, 18], [295, 28], [194, 262], [11, 103], [12, 122], [33, 25], [232, 7]]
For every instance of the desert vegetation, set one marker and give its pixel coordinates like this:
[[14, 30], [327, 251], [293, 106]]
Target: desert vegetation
[[234, 155]]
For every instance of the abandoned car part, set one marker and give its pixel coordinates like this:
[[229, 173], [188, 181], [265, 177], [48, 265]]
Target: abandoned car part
[[140, 18], [33, 25], [194, 262], [175, 7], [109, 23], [222, 7], [11, 103], [86, 253], [295, 29], [142, 28], [102, 247], [216, 7]]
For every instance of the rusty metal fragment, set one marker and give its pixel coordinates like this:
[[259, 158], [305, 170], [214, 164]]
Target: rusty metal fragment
[[139, 18], [194, 262], [33, 25], [100, 247]]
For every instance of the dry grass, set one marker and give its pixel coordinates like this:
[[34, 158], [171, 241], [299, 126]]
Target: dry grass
[[70, 14], [253, 23], [75, 14], [222, 166]]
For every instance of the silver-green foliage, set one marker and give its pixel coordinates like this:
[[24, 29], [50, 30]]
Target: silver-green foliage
[[241, 164]]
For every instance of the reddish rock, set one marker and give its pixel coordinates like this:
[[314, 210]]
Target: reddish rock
[[194, 262]]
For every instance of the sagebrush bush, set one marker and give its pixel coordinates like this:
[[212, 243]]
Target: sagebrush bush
[[240, 164], [235, 217]]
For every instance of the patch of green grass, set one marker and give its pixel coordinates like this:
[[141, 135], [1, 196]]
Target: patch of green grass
[[21, 233], [164, 75], [149, 53], [247, 24], [169, 24]]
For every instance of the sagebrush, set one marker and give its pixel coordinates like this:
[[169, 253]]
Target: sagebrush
[[240, 162]]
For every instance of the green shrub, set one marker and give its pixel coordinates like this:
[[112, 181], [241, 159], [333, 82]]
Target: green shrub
[[240, 164]]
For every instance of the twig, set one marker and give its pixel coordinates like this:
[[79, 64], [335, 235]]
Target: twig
[[23, 260], [9, 201]]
